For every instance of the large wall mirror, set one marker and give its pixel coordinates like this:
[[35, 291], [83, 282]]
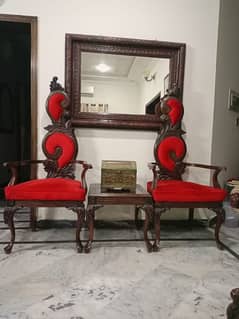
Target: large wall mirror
[[118, 82]]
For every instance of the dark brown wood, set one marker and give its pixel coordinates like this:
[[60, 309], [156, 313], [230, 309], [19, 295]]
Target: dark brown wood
[[233, 307], [13, 166], [169, 129], [90, 218], [76, 43], [190, 215], [34, 40], [148, 220], [33, 219], [157, 215], [220, 214], [9, 215], [80, 220], [96, 199], [63, 126], [136, 217], [216, 169], [139, 197]]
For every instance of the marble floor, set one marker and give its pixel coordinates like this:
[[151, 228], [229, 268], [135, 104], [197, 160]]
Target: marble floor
[[186, 279]]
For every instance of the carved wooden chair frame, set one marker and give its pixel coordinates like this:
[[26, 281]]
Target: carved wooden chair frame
[[54, 152], [172, 167]]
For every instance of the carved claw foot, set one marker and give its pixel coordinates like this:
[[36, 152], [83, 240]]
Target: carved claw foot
[[233, 307], [219, 245], [149, 246], [8, 249], [79, 248], [88, 247], [152, 247], [156, 246]]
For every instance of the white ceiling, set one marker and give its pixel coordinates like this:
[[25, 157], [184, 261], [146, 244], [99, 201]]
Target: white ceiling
[[122, 66]]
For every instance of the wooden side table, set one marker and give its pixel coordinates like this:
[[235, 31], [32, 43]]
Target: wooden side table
[[96, 199]]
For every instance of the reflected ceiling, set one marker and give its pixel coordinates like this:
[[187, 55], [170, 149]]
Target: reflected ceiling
[[121, 66]]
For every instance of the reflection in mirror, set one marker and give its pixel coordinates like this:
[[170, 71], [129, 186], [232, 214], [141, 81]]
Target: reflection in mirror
[[125, 93], [127, 84]]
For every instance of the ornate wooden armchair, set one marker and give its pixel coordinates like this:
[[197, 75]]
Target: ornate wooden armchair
[[168, 190], [59, 188]]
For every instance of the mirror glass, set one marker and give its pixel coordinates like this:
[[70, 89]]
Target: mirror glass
[[113, 83], [118, 82]]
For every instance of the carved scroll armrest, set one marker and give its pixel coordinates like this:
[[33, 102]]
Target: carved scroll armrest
[[154, 167], [85, 166], [14, 167], [217, 170]]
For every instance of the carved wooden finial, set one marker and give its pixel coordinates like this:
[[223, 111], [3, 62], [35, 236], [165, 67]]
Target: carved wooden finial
[[173, 91], [55, 86]]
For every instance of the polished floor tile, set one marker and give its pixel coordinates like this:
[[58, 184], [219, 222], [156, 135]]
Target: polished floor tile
[[185, 279]]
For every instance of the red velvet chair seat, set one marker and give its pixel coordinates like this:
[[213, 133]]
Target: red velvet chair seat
[[46, 189], [180, 191]]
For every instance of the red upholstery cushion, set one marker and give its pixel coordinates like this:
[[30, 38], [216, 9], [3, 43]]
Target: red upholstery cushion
[[54, 105], [46, 189], [65, 143], [176, 110], [179, 191], [169, 145]]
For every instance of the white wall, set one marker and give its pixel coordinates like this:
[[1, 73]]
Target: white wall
[[148, 90], [121, 96], [193, 22], [225, 140]]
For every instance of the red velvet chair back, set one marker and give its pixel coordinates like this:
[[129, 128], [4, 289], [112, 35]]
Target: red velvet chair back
[[170, 148], [59, 145]]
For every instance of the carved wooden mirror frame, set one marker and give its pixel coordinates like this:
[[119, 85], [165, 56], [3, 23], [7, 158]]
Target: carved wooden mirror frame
[[76, 43]]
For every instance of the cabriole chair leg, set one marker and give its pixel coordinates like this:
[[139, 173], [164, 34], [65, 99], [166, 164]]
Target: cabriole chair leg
[[80, 220], [8, 218], [219, 220]]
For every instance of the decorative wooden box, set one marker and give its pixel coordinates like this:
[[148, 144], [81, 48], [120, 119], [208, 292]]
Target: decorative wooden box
[[118, 176]]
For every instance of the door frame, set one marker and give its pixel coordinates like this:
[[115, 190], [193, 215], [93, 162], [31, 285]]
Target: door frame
[[33, 22]]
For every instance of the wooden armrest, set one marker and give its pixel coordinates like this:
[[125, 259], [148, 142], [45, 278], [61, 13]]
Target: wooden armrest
[[217, 170], [86, 166], [83, 163], [205, 166], [14, 165], [152, 165], [22, 163]]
